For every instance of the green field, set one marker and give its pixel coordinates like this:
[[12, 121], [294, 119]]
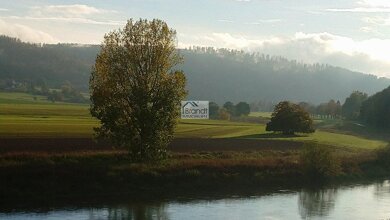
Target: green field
[[22, 116], [261, 114]]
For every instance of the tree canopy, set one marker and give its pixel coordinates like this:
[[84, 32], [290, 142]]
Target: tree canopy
[[375, 110], [352, 105], [230, 107], [135, 91], [289, 118], [242, 108]]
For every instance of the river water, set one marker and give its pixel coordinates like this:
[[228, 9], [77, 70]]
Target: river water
[[364, 201]]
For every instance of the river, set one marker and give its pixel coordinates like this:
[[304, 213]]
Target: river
[[363, 201]]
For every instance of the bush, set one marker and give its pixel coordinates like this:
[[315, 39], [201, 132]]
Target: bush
[[383, 157], [318, 161], [224, 114]]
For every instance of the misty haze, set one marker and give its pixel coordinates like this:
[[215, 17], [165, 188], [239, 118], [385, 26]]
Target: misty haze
[[168, 109]]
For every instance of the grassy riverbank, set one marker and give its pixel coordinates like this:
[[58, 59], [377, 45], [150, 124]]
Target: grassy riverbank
[[92, 174]]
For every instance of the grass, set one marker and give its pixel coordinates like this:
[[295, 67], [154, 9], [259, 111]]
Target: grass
[[88, 175], [215, 129], [261, 114], [46, 126], [19, 98], [44, 119], [45, 110], [81, 126], [91, 175], [24, 98]]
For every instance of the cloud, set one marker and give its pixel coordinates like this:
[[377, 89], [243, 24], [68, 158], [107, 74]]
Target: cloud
[[79, 14], [264, 21], [375, 3], [367, 29], [257, 22], [362, 9], [25, 33], [4, 9], [374, 23], [67, 10], [377, 20], [70, 20], [370, 56], [374, 48], [240, 42], [225, 21], [370, 30], [366, 6]]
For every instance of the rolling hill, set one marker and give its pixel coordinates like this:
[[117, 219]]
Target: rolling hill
[[212, 74]]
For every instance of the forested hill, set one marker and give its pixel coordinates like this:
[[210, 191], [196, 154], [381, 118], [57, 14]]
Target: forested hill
[[54, 64], [233, 75], [216, 75]]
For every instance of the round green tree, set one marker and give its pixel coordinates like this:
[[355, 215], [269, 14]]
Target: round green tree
[[135, 90], [289, 118], [242, 108], [230, 107]]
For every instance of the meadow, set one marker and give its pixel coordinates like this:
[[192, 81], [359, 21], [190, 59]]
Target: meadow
[[246, 156], [23, 116]]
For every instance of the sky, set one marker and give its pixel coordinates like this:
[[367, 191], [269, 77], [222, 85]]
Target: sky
[[353, 34]]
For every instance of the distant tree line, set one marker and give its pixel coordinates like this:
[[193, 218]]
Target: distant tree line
[[330, 109], [66, 93], [262, 106], [228, 110], [371, 110]]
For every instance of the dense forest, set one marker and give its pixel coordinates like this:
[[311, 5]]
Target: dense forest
[[53, 64], [218, 75], [229, 75], [375, 111]]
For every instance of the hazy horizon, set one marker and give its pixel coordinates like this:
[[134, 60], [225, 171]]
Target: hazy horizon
[[350, 34]]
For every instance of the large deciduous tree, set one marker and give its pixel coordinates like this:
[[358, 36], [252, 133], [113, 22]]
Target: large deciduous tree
[[135, 90], [289, 118]]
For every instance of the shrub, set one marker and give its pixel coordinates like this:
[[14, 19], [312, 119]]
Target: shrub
[[318, 161], [383, 157], [224, 114]]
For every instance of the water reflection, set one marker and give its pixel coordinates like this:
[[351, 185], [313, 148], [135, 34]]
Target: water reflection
[[316, 202], [138, 212], [382, 189], [370, 201]]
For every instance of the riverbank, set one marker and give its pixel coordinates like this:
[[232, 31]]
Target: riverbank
[[45, 176]]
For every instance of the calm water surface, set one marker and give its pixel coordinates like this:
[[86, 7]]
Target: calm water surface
[[370, 201]]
